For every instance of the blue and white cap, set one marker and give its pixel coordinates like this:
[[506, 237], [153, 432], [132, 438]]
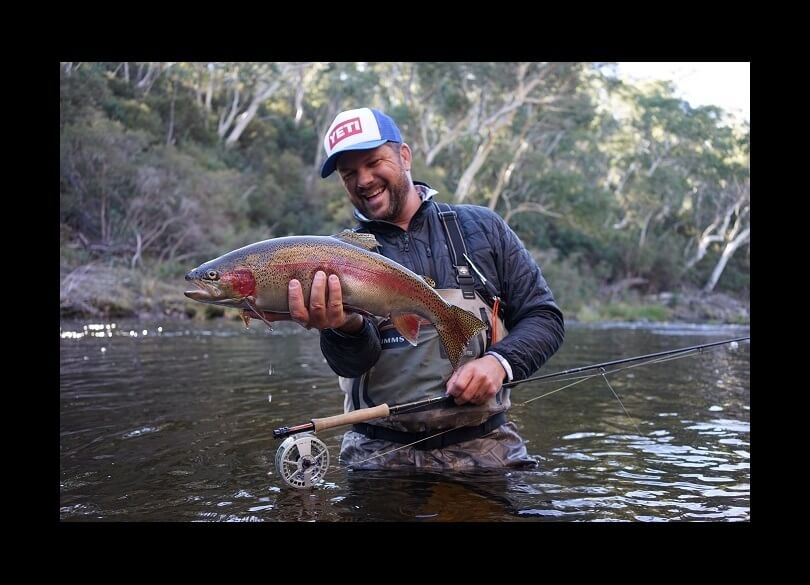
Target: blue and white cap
[[361, 129]]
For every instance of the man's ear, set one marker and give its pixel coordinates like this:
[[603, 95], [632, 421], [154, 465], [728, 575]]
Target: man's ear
[[405, 154]]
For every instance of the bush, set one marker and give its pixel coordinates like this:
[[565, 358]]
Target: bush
[[573, 287]]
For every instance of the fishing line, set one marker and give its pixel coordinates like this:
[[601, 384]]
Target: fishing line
[[649, 359], [638, 430], [687, 352], [577, 380]]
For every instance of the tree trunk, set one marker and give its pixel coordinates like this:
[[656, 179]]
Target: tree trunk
[[103, 215], [209, 89], [642, 238], [728, 252], [103, 212], [245, 118], [146, 82], [225, 120], [300, 91], [531, 206], [136, 258], [506, 174], [465, 184], [170, 133], [432, 152]]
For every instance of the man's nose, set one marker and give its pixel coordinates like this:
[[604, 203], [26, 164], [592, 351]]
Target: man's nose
[[364, 177]]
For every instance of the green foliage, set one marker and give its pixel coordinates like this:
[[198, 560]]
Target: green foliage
[[135, 114], [80, 94], [596, 310], [190, 124], [283, 203], [434, 176], [600, 194], [99, 161], [573, 285], [628, 312]]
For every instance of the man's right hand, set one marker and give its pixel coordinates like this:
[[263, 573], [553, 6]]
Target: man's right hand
[[325, 309]]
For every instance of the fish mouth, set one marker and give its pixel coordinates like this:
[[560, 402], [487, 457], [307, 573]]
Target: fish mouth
[[206, 293]]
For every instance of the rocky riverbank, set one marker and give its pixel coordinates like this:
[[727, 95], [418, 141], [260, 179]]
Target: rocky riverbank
[[100, 291]]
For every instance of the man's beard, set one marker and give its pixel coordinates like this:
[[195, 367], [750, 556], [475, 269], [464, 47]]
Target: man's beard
[[397, 196]]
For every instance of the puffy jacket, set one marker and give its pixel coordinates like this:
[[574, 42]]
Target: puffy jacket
[[532, 317]]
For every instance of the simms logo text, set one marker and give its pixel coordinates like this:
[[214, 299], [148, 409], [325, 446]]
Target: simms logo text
[[344, 130]]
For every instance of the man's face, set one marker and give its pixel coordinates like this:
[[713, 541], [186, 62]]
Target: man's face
[[377, 180]]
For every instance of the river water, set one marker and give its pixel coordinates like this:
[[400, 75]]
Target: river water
[[173, 420]]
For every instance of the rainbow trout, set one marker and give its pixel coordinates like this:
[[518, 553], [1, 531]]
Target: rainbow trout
[[255, 279]]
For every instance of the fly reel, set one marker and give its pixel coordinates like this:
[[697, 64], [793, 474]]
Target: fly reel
[[302, 460]]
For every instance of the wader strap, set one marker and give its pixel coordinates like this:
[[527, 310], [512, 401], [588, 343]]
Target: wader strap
[[457, 250], [461, 260], [445, 440]]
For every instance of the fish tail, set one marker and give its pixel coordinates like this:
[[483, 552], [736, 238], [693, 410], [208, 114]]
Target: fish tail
[[455, 329]]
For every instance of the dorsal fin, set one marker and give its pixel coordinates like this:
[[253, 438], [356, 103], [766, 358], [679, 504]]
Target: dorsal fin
[[365, 241]]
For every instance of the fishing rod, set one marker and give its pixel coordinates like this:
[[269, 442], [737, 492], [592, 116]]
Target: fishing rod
[[361, 415], [302, 459], [383, 410], [627, 360]]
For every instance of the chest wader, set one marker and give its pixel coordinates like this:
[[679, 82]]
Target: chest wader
[[406, 373]]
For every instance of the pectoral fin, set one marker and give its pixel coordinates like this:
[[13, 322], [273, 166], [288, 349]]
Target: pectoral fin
[[267, 316]]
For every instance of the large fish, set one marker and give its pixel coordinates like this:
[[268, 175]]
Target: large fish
[[255, 279]]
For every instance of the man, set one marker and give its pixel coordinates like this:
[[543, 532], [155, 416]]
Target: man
[[446, 246]]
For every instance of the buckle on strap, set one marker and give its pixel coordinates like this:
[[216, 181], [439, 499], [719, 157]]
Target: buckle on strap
[[444, 440], [465, 281]]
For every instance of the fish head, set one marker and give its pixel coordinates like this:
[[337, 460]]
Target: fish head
[[220, 283]]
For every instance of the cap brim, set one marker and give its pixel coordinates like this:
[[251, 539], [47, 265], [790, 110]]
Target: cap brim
[[329, 165]]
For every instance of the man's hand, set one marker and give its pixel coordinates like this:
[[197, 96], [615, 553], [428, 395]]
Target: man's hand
[[325, 305], [476, 381]]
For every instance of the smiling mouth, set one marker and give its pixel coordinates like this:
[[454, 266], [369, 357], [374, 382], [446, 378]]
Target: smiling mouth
[[375, 195]]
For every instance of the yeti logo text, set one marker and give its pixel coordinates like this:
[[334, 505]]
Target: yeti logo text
[[344, 130]]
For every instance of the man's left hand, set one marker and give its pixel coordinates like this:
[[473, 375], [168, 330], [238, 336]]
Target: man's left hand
[[476, 381]]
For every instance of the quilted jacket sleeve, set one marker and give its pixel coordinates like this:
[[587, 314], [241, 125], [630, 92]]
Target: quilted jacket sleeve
[[351, 355], [535, 322]]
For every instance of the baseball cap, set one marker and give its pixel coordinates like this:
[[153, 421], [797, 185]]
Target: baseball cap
[[360, 129]]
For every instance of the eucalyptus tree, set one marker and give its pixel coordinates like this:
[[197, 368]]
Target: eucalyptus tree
[[649, 177], [459, 115], [510, 92], [719, 207]]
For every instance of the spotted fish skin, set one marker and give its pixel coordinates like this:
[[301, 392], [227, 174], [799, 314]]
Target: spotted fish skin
[[258, 275]]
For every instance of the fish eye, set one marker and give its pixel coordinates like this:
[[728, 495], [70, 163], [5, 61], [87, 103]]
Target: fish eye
[[212, 275]]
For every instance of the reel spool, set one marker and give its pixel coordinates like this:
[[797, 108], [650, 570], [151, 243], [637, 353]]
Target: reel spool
[[302, 460]]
